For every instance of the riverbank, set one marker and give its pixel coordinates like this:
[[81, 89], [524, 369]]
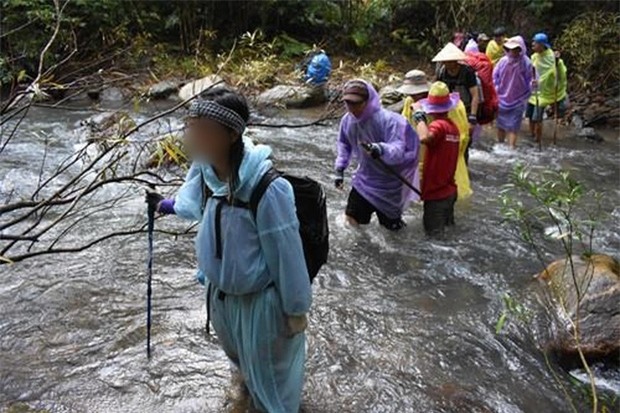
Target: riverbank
[[273, 82]]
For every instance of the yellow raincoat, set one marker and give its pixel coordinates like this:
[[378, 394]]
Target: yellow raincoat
[[545, 73], [495, 51], [457, 115]]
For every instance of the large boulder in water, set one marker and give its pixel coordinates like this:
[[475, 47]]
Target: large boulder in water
[[598, 281], [292, 96], [198, 86]]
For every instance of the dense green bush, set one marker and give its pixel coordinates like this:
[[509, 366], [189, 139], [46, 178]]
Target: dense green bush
[[589, 45], [194, 32]]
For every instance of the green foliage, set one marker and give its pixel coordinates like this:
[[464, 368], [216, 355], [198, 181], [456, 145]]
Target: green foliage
[[512, 310], [589, 44], [551, 201], [185, 37], [290, 47], [544, 206], [169, 151]]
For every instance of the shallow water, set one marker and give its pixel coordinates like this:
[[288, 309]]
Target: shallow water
[[400, 323]]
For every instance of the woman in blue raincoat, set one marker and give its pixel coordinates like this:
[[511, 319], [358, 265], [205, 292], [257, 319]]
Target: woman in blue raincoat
[[256, 277]]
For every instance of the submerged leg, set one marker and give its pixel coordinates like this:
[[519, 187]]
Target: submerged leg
[[272, 362], [512, 139], [501, 135]]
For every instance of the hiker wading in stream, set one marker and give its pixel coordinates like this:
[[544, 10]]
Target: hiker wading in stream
[[460, 78], [378, 139], [416, 87], [512, 78], [495, 47], [549, 86], [256, 277], [441, 138]]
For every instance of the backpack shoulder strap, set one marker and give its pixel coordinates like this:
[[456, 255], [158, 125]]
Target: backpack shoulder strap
[[258, 192]]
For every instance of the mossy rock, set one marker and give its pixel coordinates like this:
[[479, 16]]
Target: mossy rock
[[24, 408]]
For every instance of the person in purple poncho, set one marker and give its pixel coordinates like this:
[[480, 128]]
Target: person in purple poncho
[[512, 77], [378, 139]]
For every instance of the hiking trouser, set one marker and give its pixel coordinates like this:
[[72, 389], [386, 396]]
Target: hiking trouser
[[253, 333], [438, 214], [361, 210]]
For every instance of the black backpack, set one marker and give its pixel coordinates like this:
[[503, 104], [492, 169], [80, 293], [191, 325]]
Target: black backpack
[[310, 203]]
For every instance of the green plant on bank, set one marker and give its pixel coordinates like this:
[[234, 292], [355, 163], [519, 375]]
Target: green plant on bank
[[548, 206], [169, 151], [256, 63], [589, 44], [379, 73]]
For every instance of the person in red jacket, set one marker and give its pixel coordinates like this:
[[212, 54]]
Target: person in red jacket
[[441, 138], [489, 102]]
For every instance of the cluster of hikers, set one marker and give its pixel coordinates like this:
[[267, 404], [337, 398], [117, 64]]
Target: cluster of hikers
[[263, 234]]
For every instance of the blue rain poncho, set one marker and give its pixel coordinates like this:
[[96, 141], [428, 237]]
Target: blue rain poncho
[[319, 69], [262, 273]]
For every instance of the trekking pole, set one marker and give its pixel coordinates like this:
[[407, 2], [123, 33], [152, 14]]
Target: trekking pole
[[396, 174], [555, 99], [538, 138], [149, 275]]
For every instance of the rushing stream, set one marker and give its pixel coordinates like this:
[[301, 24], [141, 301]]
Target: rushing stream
[[400, 323]]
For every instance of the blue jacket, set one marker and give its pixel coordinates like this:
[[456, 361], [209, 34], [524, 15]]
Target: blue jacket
[[255, 252]]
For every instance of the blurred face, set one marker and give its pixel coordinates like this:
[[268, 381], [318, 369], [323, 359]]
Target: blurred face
[[355, 108], [499, 39], [537, 47], [419, 96], [452, 67], [207, 140], [515, 52]]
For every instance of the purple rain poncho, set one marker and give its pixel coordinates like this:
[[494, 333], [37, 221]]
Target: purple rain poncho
[[400, 145], [512, 77]]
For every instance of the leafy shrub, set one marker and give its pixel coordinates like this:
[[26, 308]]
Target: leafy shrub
[[590, 48]]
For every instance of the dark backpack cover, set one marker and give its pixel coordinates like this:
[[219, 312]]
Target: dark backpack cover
[[311, 206]]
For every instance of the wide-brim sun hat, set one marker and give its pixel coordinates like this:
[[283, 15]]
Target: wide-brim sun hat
[[440, 100], [450, 53], [415, 83]]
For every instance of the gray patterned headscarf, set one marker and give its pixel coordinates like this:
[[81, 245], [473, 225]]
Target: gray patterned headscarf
[[209, 109]]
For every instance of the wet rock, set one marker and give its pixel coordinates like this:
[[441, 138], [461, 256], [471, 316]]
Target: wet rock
[[589, 134], [292, 96], [576, 121], [197, 86], [164, 89], [93, 93], [389, 95], [107, 125], [598, 279], [111, 94]]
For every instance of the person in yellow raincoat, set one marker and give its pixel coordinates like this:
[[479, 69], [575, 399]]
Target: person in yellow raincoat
[[495, 48], [416, 87], [546, 89]]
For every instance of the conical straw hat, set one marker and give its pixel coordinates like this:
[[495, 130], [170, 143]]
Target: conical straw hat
[[450, 53]]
